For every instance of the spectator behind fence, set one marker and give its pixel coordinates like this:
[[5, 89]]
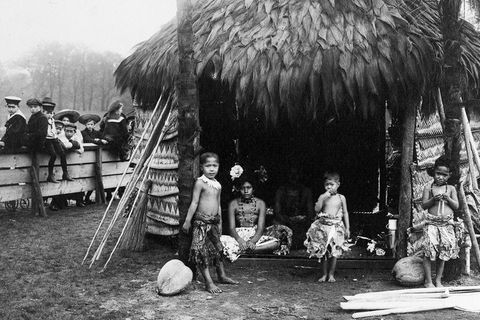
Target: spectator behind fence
[[68, 116], [16, 125], [52, 143], [114, 130], [37, 127]]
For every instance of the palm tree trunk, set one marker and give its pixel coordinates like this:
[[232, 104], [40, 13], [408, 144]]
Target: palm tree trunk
[[453, 82], [188, 120]]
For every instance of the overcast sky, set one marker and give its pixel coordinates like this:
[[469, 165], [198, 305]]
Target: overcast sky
[[114, 25]]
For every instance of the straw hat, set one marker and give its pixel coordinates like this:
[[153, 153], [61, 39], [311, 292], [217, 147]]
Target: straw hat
[[72, 115], [84, 118]]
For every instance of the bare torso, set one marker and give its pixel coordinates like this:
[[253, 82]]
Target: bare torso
[[332, 206], [438, 209], [209, 202]]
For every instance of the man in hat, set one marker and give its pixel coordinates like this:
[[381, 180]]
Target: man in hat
[[16, 125], [37, 126], [52, 144]]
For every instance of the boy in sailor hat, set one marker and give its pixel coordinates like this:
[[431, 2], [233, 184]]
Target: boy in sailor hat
[[16, 125]]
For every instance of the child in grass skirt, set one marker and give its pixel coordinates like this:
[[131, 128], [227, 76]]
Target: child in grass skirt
[[327, 236]]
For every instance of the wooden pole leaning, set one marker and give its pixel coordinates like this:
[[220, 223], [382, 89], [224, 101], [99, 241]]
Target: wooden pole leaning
[[121, 180], [139, 168], [145, 175], [468, 222]]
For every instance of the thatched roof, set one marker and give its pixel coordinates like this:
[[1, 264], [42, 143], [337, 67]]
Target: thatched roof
[[305, 57]]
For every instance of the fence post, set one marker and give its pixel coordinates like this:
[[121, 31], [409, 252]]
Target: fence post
[[37, 199], [99, 191]]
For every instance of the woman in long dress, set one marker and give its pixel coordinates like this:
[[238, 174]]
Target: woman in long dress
[[246, 221]]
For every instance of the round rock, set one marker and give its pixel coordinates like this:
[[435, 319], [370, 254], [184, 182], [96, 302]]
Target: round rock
[[409, 271], [173, 278]]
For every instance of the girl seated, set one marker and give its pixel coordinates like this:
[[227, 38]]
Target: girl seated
[[246, 220]]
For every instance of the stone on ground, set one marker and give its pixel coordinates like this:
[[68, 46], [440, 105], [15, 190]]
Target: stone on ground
[[173, 278], [409, 271]]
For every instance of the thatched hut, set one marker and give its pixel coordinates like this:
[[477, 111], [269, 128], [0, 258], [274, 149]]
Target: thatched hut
[[303, 83]]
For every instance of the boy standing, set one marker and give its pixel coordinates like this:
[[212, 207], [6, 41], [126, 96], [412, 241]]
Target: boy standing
[[16, 125], [37, 126], [52, 144], [206, 249], [440, 199]]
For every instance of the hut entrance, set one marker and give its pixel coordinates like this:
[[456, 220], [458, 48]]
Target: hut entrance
[[351, 146]]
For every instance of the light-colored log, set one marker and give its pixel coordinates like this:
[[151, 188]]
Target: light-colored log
[[414, 291]]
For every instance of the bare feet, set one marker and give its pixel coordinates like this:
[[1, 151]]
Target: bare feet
[[438, 284], [322, 279], [331, 279], [227, 280], [429, 285], [212, 288]]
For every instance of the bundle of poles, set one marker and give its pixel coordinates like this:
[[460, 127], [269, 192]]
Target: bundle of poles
[[383, 303], [133, 202]]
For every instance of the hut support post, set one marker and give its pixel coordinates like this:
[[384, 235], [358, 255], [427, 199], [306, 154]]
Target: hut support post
[[405, 198], [188, 120]]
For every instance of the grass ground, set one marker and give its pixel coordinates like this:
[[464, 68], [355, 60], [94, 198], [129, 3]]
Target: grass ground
[[41, 277]]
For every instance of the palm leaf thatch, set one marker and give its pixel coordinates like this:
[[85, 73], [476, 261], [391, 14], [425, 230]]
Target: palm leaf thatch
[[303, 57]]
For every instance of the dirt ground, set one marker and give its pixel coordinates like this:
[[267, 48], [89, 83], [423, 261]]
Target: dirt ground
[[41, 277]]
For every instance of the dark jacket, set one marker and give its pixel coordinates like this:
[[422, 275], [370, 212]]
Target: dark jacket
[[36, 131], [90, 136], [16, 127], [114, 130]]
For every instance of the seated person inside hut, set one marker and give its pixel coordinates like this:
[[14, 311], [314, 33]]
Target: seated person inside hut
[[246, 221], [16, 125], [294, 207], [68, 116]]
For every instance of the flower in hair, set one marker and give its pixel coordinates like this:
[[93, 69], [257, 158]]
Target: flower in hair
[[236, 171]]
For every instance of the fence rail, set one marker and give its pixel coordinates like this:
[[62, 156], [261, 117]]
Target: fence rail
[[16, 181]]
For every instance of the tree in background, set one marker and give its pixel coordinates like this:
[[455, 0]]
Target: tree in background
[[75, 77]]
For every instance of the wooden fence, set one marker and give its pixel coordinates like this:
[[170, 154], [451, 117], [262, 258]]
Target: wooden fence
[[94, 169]]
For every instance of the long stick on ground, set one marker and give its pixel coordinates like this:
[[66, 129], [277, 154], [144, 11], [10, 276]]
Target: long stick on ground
[[389, 293], [121, 179], [138, 172], [137, 195], [468, 222]]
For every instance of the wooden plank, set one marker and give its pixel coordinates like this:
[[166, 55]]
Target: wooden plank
[[8, 193], [15, 176], [23, 160]]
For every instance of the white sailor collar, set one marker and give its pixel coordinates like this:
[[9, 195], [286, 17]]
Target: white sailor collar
[[19, 112]]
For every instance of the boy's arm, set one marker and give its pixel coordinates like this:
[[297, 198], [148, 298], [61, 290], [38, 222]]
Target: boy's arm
[[197, 189], [319, 203], [219, 211], [346, 218], [452, 199]]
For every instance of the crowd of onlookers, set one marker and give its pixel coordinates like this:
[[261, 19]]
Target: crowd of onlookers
[[56, 133]]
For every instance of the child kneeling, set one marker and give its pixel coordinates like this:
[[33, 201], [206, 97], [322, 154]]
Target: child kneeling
[[206, 249], [326, 237]]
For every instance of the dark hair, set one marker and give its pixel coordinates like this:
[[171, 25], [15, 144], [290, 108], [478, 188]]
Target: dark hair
[[206, 155], [245, 177], [331, 175], [442, 161]]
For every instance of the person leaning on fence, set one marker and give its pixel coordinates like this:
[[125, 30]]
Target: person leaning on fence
[[115, 131], [68, 117], [37, 127], [90, 135], [16, 125], [52, 143]]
